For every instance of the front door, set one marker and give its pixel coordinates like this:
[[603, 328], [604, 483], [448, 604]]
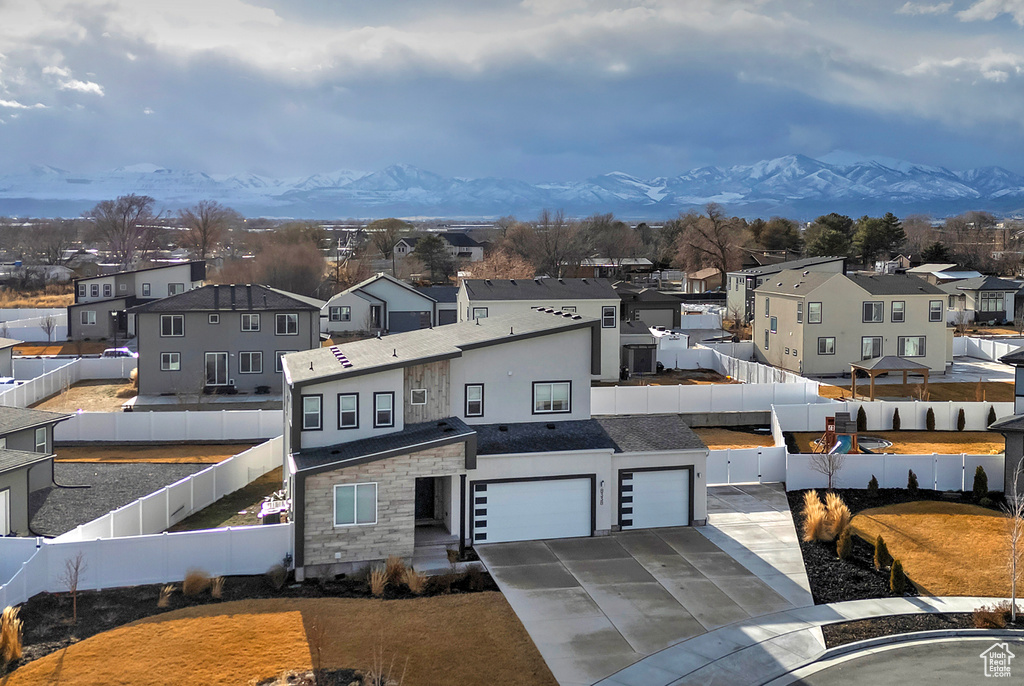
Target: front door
[[216, 369], [425, 498]]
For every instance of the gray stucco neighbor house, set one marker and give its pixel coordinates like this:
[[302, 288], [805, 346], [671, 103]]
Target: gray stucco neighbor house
[[26, 463], [222, 339]]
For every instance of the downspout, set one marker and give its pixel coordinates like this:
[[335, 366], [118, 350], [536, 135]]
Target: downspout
[[462, 517]]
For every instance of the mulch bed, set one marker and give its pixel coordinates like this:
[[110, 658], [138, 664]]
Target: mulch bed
[[842, 633], [833, 580], [46, 616]]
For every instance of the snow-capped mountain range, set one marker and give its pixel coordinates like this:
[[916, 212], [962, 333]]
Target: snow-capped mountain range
[[794, 186]]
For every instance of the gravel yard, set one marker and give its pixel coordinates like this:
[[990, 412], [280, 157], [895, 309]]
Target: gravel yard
[[57, 510]]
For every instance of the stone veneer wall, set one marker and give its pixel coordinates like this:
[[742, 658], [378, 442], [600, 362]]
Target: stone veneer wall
[[395, 530]]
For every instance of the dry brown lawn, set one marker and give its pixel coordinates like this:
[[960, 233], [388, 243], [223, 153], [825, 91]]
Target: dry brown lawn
[[97, 395], [945, 548], [456, 640], [673, 377], [167, 453], [54, 295], [718, 439], [925, 442], [991, 391], [240, 508], [63, 348]]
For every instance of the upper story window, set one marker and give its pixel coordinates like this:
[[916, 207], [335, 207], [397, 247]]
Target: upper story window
[[82, 289], [479, 313], [874, 312], [475, 400], [108, 290], [287, 324], [418, 396], [348, 410], [774, 324], [41, 442], [552, 396], [935, 310], [799, 313], [172, 325], [609, 315], [175, 288], [899, 311], [814, 313], [767, 306], [147, 290], [383, 409], [94, 290], [340, 313], [214, 318], [250, 322], [312, 416], [122, 287]]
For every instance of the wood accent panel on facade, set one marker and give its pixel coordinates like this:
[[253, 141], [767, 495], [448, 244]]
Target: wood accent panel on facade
[[434, 377]]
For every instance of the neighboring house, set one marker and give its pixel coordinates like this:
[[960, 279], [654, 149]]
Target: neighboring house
[[447, 299], [590, 297], [894, 265], [981, 299], [740, 285], [99, 311], [26, 463], [222, 339], [639, 349], [472, 433], [459, 245], [606, 267], [766, 258], [942, 273], [1012, 427], [819, 322], [707, 279], [648, 304], [380, 303], [6, 353]]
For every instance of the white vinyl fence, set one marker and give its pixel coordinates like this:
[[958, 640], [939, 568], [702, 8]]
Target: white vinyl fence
[[700, 398], [8, 314], [938, 472], [53, 375], [163, 509], [40, 387], [705, 320], [32, 330], [746, 465], [160, 558], [710, 356], [984, 348], [223, 425]]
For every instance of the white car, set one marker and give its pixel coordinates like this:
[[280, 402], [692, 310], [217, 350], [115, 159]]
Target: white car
[[119, 352]]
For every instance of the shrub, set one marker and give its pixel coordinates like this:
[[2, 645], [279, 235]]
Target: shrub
[[992, 616], [276, 576], [873, 486], [862, 419], [986, 502], [911, 481], [476, 577], [814, 517], [442, 583], [415, 581], [196, 581], [929, 419], [837, 515], [961, 420], [217, 588], [378, 580], [844, 545], [991, 415], [980, 483], [165, 596], [453, 555], [897, 579], [882, 557], [896, 419], [10, 636], [394, 567]]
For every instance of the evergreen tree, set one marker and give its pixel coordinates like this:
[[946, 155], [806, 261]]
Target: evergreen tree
[[936, 252]]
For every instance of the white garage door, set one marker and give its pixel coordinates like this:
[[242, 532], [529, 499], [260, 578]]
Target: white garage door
[[655, 498], [529, 510]]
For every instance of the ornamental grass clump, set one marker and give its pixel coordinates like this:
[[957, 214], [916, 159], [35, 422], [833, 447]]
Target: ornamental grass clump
[[165, 596], [837, 516], [196, 581], [415, 581], [394, 567], [815, 525], [844, 545], [378, 581], [10, 636]]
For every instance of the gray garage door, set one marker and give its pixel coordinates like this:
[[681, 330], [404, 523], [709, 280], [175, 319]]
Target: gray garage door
[[447, 316], [409, 321]]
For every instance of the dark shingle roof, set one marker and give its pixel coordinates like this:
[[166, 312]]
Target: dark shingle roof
[[634, 328], [248, 297], [145, 269], [540, 291], [442, 294], [460, 240], [894, 284], [981, 283], [643, 433], [17, 418], [790, 264], [15, 459], [451, 428], [1015, 358], [1013, 424]]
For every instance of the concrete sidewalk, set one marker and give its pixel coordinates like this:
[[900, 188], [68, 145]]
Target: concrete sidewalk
[[760, 650]]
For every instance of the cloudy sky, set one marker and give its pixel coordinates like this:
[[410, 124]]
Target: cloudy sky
[[531, 89]]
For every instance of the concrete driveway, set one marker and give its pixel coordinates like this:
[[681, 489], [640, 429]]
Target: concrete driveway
[[594, 606]]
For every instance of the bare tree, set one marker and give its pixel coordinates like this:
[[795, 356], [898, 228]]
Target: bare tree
[[206, 224], [385, 234], [123, 224], [502, 264], [1014, 510], [827, 464], [54, 240], [48, 325], [70, 578], [561, 244], [709, 240]]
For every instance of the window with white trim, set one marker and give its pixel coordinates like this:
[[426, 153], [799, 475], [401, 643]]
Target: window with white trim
[[250, 362], [383, 410], [814, 313], [94, 290], [172, 325], [552, 397], [479, 313], [170, 362], [870, 347], [799, 313], [911, 346], [609, 314], [82, 289], [147, 290], [251, 322], [827, 345], [418, 396], [88, 317], [312, 418], [475, 400], [348, 410], [214, 319], [287, 324], [935, 310], [990, 302], [41, 442], [108, 290], [899, 311], [355, 504], [340, 313]]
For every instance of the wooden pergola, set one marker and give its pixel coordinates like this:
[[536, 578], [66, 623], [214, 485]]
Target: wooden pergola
[[884, 365]]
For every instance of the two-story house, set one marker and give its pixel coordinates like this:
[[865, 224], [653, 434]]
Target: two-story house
[[648, 305], [480, 431], [99, 310], [380, 303], [741, 285], [459, 245], [222, 339], [26, 463], [818, 323], [594, 298]]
